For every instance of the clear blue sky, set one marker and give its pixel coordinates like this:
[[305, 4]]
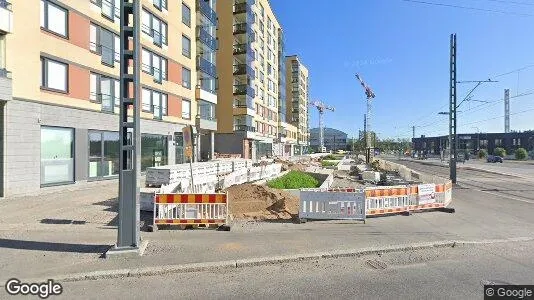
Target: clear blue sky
[[402, 50]]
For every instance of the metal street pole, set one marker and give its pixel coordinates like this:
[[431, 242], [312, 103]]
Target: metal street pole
[[452, 110], [128, 240]]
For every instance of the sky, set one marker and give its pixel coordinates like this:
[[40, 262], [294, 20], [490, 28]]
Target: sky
[[401, 49]]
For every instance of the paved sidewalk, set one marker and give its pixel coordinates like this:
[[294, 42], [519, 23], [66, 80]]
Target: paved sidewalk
[[65, 233]]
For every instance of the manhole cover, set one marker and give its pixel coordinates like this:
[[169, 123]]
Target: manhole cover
[[376, 264]]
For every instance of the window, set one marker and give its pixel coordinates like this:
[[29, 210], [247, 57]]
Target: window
[[262, 60], [160, 4], [186, 46], [262, 11], [269, 69], [103, 154], [154, 65], [155, 102], [54, 75], [206, 110], [186, 78], [110, 8], [104, 90], [186, 15], [57, 159], [153, 150], [104, 43], [262, 77], [155, 28], [269, 24], [186, 109], [498, 142], [54, 18]]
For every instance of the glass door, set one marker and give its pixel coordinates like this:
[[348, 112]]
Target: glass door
[[57, 155]]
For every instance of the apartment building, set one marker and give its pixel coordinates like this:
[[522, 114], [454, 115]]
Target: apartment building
[[297, 91], [248, 71], [60, 108]]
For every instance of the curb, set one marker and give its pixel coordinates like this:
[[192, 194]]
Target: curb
[[493, 172], [263, 261]]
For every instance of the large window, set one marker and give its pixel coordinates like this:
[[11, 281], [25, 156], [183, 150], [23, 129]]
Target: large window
[[103, 154], [154, 102], [186, 15], [186, 78], [104, 43], [160, 4], [54, 18], [153, 150], [186, 109], [104, 90], [155, 28], [186, 46], [54, 75], [110, 8], [154, 65], [206, 110], [57, 159]]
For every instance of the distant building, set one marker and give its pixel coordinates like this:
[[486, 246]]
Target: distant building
[[473, 142], [333, 139]]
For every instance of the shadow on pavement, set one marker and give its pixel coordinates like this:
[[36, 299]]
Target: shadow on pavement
[[53, 247], [112, 205]]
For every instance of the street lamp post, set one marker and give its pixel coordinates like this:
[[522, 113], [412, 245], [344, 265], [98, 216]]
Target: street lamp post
[[478, 138]]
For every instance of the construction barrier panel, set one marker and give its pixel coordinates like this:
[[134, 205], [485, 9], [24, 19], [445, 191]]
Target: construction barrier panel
[[319, 205], [387, 200], [183, 209]]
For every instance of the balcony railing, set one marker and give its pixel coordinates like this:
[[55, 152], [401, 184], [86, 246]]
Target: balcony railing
[[207, 11], [240, 8], [244, 49], [244, 128], [206, 38], [241, 28], [248, 103], [244, 89], [244, 69], [207, 67]]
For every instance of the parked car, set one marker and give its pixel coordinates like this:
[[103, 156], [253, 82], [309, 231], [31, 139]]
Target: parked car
[[494, 159]]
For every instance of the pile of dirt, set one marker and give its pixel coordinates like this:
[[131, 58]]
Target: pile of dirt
[[249, 201], [292, 166]]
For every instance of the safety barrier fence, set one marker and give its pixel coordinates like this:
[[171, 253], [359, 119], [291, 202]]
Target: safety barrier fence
[[187, 209], [375, 201]]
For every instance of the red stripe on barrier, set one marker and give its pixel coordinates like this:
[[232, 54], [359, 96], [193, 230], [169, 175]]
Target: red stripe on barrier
[[212, 198], [198, 198]]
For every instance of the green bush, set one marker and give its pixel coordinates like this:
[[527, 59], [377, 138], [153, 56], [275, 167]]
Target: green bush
[[327, 163], [294, 180], [482, 153], [521, 154], [500, 152], [329, 157]]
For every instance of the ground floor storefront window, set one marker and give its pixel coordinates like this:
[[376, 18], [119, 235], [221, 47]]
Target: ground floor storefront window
[[57, 155], [103, 154], [153, 150]]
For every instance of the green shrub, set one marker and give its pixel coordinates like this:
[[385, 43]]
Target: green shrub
[[329, 157], [294, 180], [327, 163], [500, 152], [521, 154], [482, 153]]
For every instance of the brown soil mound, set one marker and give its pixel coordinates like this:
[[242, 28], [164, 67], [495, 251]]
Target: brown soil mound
[[249, 201]]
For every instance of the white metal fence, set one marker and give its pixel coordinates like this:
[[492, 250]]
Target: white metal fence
[[324, 205]]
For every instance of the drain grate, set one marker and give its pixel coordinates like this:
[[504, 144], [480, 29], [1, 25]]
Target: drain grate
[[376, 264]]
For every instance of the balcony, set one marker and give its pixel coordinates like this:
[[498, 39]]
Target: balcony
[[248, 103], [244, 89], [207, 122], [204, 8], [6, 17], [240, 49], [241, 8], [244, 69], [207, 67], [206, 38], [246, 128]]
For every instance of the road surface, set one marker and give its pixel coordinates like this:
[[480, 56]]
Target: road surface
[[443, 273]]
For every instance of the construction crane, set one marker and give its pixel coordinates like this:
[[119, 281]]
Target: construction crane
[[321, 107], [369, 94]]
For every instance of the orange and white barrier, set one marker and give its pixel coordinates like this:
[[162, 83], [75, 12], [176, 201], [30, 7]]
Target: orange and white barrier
[[187, 209], [387, 200]]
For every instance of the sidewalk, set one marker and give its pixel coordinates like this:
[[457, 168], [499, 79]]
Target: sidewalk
[[66, 233]]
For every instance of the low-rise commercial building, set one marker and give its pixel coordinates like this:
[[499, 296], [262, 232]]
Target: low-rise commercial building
[[333, 139]]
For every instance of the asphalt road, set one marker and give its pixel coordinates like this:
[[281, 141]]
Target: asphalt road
[[509, 187], [441, 273]]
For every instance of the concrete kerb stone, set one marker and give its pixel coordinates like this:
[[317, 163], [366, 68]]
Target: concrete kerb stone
[[233, 264]]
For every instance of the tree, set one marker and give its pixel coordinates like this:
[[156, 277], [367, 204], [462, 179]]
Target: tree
[[521, 154], [500, 152], [482, 153]]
